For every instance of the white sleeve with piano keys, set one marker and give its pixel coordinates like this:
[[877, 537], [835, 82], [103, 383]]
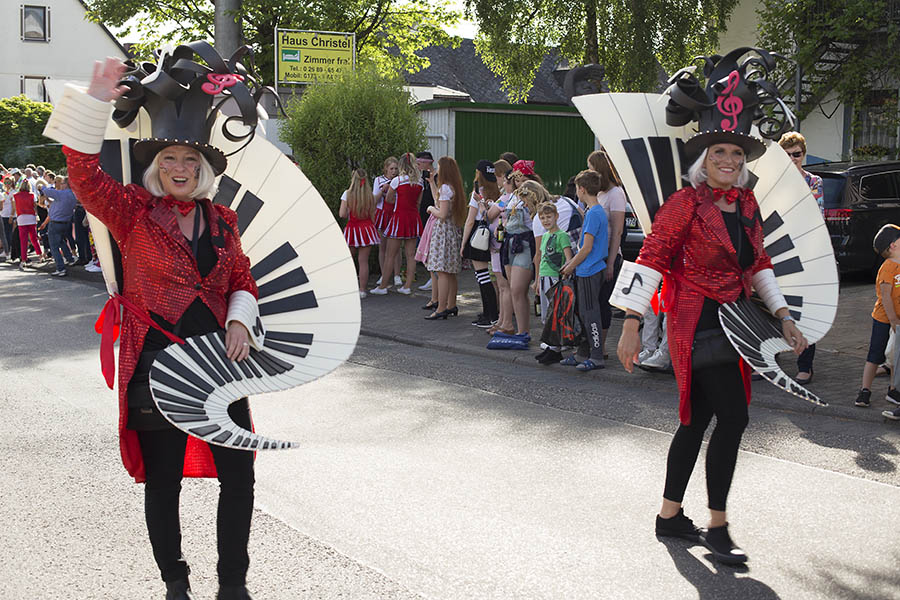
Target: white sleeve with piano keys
[[635, 287], [243, 308], [767, 287]]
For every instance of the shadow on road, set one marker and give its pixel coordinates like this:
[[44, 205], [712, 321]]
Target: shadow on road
[[873, 452], [721, 581]]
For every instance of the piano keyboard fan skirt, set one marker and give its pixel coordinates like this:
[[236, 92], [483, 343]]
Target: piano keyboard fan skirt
[[649, 156], [308, 302]]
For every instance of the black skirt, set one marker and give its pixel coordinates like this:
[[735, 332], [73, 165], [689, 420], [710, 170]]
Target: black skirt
[[474, 253]]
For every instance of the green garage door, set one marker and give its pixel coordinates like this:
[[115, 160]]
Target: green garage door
[[558, 145]]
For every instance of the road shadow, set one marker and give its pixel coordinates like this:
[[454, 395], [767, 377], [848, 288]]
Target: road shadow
[[872, 452], [714, 581]]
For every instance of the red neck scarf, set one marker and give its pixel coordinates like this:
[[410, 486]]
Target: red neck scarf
[[730, 195], [184, 206]]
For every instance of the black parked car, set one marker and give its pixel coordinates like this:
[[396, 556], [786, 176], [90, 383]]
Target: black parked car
[[859, 199]]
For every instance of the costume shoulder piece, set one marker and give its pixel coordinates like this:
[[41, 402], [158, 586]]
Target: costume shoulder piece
[[652, 139], [308, 313]]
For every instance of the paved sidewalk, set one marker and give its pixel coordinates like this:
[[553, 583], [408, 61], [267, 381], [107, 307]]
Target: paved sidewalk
[[838, 363]]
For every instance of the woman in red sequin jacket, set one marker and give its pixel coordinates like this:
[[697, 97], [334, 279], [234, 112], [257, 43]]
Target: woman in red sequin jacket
[[708, 241], [183, 267]]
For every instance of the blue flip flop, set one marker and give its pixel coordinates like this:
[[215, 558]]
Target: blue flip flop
[[589, 365], [569, 361]]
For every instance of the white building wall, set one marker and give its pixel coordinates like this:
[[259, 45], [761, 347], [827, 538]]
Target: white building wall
[[438, 131], [74, 45]]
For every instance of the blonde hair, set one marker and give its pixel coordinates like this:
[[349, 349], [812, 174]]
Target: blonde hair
[[206, 183], [360, 200], [697, 174], [448, 173], [390, 160], [791, 139], [532, 194], [407, 166]]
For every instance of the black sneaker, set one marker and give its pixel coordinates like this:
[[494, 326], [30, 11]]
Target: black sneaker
[[717, 541], [863, 398], [543, 353], [482, 322], [893, 415], [678, 526], [552, 357], [893, 396]]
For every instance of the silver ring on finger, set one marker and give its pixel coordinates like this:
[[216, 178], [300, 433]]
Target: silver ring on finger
[[246, 344]]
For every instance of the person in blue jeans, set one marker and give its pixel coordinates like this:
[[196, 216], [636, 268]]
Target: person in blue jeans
[[62, 208], [588, 266], [82, 241]]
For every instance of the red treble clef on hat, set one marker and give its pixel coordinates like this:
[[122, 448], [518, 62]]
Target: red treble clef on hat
[[729, 104], [218, 82]]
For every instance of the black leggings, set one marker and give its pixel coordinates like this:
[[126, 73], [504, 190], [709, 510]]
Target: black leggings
[[715, 391], [163, 453]]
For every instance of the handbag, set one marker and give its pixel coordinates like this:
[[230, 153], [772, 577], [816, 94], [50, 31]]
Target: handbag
[[711, 348], [481, 237]]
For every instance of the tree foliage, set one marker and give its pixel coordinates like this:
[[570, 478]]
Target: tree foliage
[[631, 38], [22, 124], [860, 33], [388, 32], [357, 122]]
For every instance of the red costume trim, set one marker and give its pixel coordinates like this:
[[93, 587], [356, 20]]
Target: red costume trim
[[159, 275], [691, 246]]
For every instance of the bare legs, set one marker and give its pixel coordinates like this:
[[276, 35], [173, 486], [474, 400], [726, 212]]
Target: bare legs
[[519, 282], [506, 307], [383, 254], [392, 255], [410, 247], [362, 256]]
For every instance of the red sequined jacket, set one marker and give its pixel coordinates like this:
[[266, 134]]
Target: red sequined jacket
[[160, 275], [691, 246]]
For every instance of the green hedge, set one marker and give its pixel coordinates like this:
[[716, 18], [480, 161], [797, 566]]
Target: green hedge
[[22, 122], [358, 121]]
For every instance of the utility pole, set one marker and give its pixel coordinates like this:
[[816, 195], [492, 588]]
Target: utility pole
[[227, 27]]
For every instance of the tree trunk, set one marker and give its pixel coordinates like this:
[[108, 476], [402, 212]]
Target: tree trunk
[[591, 47], [227, 27]]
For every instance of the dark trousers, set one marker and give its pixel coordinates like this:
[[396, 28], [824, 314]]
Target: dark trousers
[[163, 453], [12, 236], [60, 231], [715, 391], [82, 242]]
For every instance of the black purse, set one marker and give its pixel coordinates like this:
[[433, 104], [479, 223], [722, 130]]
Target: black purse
[[711, 348]]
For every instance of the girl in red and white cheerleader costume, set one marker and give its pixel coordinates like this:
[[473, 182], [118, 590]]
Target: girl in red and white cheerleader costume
[[404, 226], [358, 207], [384, 211]]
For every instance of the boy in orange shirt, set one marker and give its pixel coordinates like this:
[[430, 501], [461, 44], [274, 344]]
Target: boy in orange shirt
[[885, 315]]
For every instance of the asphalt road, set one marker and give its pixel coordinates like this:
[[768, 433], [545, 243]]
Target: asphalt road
[[429, 474]]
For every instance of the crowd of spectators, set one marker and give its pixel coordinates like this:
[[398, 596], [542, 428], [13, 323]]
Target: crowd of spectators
[[43, 221]]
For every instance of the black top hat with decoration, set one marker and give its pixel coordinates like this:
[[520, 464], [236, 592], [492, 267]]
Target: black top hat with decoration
[[737, 96], [183, 96]]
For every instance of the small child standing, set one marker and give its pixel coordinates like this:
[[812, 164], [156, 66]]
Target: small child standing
[[358, 207], [588, 266], [884, 316], [556, 250]]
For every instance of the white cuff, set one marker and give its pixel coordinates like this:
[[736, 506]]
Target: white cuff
[[79, 121], [243, 308], [767, 287], [635, 287]]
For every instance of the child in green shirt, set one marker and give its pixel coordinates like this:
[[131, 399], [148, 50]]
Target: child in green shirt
[[556, 250]]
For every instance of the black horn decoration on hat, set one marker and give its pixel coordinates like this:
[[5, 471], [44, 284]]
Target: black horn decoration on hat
[[737, 96], [179, 94]]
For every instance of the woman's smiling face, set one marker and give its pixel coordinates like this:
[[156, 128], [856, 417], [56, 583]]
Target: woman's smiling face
[[179, 171], [723, 165]]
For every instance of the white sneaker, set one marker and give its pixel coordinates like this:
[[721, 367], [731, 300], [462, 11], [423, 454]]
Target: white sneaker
[[397, 280], [426, 287], [404, 290], [92, 267], [657, 362], [378, 291], [644, 355], [362, 294], [378, 282]]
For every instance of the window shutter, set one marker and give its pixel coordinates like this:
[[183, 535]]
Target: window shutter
[[47, 22], [22, 22]]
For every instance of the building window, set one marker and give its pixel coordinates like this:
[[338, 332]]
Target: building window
[[878, 123], [35, 23], [33, 88]]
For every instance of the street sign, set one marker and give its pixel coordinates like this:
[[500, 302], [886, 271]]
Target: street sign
[[313, 56]]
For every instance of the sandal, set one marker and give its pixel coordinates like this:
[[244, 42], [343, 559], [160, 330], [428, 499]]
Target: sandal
[[569, 361], [589, 365], [806, 380]]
